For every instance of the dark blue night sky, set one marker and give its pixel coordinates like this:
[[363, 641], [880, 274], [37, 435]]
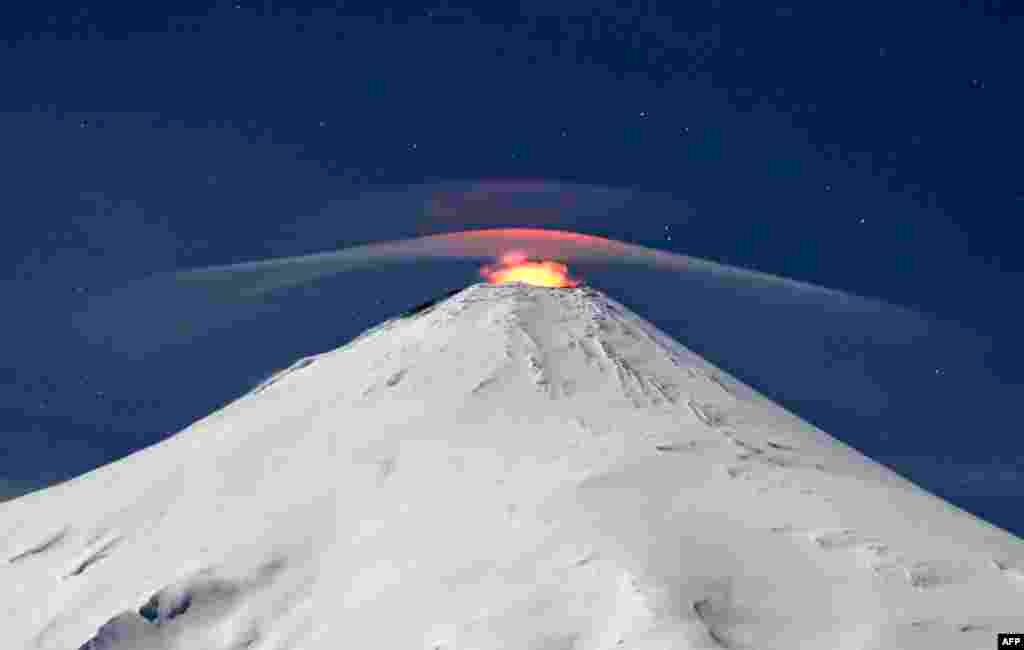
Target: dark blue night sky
[[872, 147]]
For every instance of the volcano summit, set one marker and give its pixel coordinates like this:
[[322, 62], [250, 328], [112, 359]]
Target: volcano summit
[[512, 467]]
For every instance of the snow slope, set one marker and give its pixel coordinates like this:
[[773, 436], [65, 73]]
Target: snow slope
[[514, 467]]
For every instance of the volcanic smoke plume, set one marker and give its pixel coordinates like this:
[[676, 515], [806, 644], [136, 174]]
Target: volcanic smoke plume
[[515, 266]]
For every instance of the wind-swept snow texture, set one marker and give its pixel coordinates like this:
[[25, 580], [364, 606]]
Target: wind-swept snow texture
[[511, 468]]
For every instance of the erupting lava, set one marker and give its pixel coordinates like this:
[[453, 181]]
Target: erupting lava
[[517, 267]]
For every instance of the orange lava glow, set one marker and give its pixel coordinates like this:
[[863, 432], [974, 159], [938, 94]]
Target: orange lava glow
[[516, 267]]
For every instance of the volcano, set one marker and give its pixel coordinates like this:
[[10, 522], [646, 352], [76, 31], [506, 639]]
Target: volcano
[[512, 466]]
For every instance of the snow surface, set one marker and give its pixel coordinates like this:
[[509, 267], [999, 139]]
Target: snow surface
[[514, 467]]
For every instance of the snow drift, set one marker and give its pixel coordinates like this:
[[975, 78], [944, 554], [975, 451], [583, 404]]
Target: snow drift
[[511, 467]]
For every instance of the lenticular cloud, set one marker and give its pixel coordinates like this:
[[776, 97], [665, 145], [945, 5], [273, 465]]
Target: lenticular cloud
[[219, 293]]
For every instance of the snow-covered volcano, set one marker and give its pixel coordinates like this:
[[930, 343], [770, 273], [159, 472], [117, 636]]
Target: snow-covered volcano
[[513, 467]]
